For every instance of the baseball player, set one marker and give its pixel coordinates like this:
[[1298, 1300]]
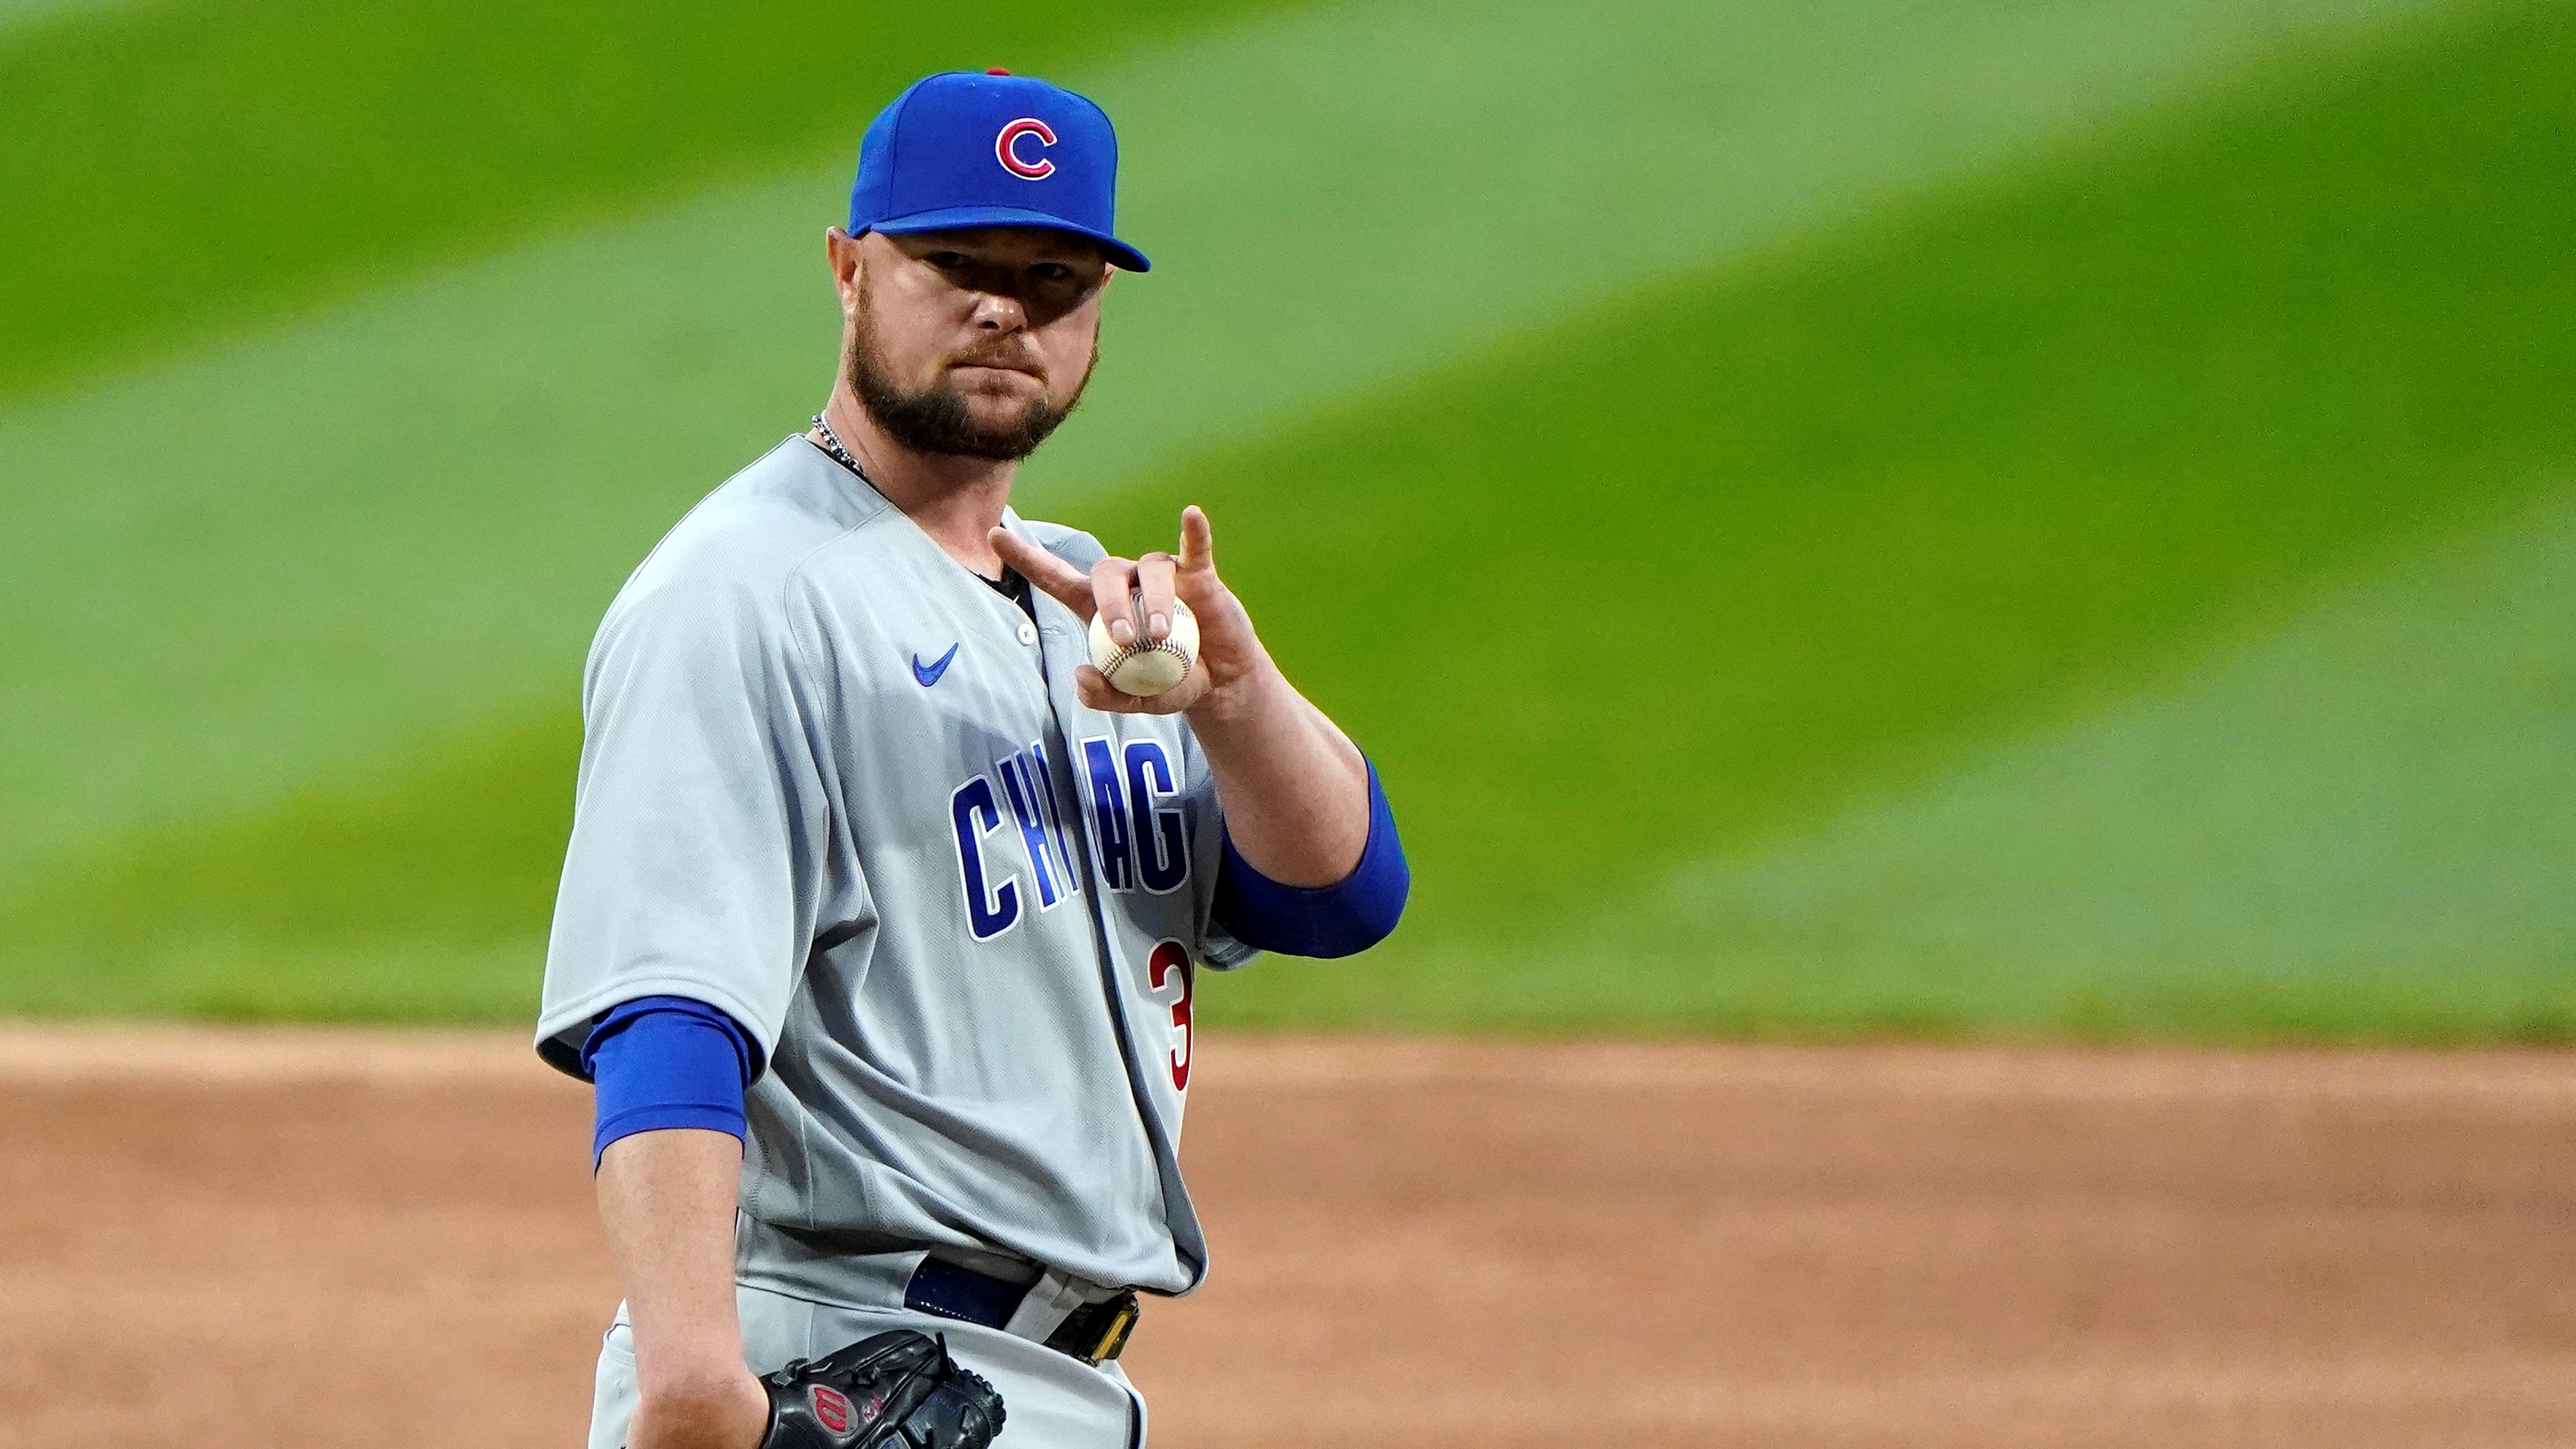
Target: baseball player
[[881, 915]]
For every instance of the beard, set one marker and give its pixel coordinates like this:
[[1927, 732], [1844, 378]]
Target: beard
[[939, 418]]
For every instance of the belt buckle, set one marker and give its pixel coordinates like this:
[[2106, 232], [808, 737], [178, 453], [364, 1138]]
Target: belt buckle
[[1098, 1333]]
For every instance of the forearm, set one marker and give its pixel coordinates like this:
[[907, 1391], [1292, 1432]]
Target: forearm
[[1295, 788], [666, 1200]]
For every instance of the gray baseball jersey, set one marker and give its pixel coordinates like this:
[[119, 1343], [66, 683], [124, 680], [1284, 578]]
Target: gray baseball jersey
[[836, 785]]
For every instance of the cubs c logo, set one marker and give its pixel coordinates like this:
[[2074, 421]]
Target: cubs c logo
[[1006, 149]]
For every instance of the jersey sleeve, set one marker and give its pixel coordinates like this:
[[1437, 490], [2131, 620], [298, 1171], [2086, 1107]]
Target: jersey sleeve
[[1341, 919], [660, 1062], [701, 818]]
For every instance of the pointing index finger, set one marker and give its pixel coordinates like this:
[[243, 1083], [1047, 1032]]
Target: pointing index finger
[[1063, 582]]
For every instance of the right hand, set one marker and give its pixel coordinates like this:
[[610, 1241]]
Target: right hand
[[718, 1410], [1231, 662]]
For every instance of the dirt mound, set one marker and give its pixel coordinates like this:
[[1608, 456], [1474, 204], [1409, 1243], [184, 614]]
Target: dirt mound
[[295, 1238]]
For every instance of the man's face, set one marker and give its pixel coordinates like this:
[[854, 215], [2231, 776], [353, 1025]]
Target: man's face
[[970, 342]]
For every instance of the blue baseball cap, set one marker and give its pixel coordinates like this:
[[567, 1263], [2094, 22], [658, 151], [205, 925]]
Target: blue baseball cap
[[964, 148]]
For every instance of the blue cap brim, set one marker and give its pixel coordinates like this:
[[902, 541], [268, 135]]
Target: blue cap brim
[[958, 218]]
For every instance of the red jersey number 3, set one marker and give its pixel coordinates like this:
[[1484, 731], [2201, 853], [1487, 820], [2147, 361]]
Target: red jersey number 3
[[1170, 962]]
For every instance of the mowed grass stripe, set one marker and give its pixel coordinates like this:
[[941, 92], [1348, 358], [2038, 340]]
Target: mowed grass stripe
[[2346, 828], [2355, 825], [396, 524], [22, 14], [1713, 566], [186, 168]]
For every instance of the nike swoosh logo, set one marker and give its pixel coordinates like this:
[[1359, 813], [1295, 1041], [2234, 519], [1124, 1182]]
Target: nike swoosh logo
[[929, 674]]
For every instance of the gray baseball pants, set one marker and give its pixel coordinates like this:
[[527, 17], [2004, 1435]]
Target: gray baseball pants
[[1049, 1401]]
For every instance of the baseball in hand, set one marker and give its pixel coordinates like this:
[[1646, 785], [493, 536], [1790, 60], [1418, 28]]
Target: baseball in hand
[[1146, 668]]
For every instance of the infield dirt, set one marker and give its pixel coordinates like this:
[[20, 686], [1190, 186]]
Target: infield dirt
[[335, 1238]]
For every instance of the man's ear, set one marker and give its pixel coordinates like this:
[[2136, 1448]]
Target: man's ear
[[847, 259]]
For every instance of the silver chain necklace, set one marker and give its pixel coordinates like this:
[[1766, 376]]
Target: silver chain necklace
[[1007, 583], [839, 454]]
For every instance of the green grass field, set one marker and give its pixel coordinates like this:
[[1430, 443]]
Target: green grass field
[[391, 525], [199, 165], [2092, 564]]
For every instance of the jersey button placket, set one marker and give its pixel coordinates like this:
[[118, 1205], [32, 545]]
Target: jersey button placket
[[1028, 632]]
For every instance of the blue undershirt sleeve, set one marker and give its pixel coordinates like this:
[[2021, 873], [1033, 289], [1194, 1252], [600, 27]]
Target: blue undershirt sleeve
[[667, 1061], [1340, 919]]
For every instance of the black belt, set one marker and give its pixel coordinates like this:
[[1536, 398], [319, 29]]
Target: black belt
[[1094, 1333]]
